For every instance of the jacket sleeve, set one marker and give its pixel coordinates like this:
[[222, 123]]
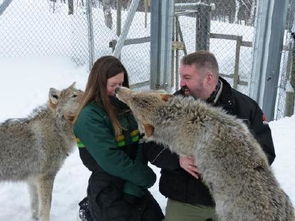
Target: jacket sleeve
[[92, 130], [131, 188], [262, 133], [160, 156]]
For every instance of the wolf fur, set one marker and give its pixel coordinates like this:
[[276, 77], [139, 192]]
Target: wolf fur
[[33, 149], [230, 160]]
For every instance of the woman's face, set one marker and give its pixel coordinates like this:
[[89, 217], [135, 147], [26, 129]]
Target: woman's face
[[114, 82]]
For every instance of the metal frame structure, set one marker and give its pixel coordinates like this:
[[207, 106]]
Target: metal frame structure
[[270, 23], [162, 13]]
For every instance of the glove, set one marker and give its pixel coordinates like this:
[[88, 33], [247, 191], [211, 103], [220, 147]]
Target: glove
[[131, 199]]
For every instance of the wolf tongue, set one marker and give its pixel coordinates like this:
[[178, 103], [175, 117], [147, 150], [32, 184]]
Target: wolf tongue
[[148, 129]]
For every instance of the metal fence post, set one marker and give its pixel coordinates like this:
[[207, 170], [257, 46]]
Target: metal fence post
[[203, 17], [292, 74], [162, 13], [267, 54], [90, 33], [290, 94], [131, 12]]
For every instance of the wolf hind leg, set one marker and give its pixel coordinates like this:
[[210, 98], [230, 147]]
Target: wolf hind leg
[[45, 186], [33, 190]]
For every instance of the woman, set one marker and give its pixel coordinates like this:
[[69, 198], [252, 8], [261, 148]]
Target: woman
[[108, 140]]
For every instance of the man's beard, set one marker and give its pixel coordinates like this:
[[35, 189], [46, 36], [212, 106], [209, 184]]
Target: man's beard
[[185, 91]]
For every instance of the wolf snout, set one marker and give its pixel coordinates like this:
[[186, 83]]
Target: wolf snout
[[117, 90], [122, 91]]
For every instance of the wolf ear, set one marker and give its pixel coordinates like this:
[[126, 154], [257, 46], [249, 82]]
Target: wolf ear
[[149, 130], [72, 85], [166, 97], [54, 96]]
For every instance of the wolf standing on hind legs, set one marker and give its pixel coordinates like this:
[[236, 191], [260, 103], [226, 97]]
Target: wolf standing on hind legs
[[33, 149], [230, 160], [188, 198]]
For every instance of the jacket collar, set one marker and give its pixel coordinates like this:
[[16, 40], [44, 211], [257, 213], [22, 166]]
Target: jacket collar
[[226, 100], [216, 93], [221, 97]]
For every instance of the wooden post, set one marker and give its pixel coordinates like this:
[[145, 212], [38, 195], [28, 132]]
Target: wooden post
[[237, 62]]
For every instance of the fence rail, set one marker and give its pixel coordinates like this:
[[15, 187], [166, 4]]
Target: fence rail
[[239, 44]]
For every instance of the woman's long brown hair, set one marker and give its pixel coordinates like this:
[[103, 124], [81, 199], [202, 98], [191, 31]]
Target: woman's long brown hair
[[96, 89]]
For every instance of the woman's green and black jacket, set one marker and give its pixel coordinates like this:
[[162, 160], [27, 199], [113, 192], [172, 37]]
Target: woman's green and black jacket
[[108, 155]]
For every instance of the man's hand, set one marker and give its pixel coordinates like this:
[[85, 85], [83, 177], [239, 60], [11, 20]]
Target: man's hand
[[189, 165]]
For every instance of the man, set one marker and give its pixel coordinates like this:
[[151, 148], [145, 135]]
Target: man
[[188, 198]]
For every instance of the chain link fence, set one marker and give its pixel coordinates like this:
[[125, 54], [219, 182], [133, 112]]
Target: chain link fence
[[230, 35], [135, 54], [231, 32], [35, 28], [285, 97]]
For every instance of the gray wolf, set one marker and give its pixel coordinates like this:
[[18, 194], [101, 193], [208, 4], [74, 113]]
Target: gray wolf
[[33, 149], [230, 160]]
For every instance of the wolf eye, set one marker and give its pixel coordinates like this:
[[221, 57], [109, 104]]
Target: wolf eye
[[144, 103]]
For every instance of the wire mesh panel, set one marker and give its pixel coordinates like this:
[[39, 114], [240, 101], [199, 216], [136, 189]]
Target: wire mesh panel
[[224, 27], [135, 53], [231, 34], [287, 66], [58, 34], [70, 28]]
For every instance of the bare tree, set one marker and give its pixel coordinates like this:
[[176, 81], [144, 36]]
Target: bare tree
[[71, 7], [252, 13], [107, 4], [238, 5], [249, 10]]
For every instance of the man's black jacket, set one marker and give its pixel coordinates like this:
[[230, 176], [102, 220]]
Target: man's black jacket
[[176, 183]]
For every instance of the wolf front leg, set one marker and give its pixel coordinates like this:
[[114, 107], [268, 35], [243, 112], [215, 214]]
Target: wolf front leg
[[45, 186], [33, 190]]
